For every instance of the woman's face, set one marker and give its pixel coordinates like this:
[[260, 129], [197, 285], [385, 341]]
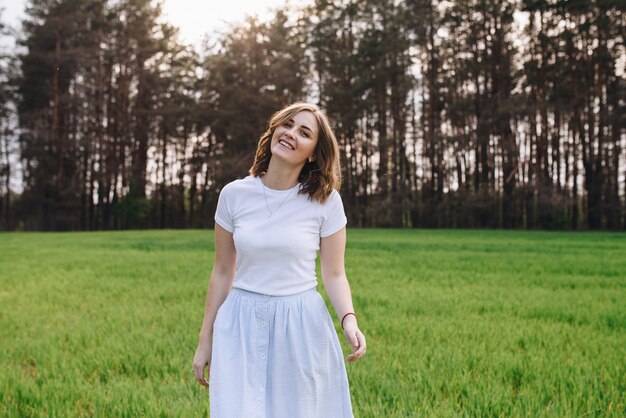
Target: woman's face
[[295, 140]]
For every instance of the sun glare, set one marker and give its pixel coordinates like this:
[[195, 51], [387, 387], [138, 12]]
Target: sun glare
[[199, 18]]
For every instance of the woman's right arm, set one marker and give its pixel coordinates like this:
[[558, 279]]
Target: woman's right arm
[[220, 284]]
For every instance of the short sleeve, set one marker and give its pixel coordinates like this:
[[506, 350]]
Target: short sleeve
[[223, 213], [333, 215]]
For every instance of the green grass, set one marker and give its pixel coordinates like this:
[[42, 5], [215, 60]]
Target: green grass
[[458, 323]]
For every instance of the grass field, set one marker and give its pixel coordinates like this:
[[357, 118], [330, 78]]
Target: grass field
[[458, 323]]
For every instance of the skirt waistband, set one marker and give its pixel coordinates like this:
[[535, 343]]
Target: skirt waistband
[[261, 296]]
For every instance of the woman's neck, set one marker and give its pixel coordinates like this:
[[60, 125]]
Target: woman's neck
[[280, 177]]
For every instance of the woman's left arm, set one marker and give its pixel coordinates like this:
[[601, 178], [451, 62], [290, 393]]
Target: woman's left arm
[[332, 250]]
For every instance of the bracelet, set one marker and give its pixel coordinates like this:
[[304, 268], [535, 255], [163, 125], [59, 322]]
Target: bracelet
[[344, 317]]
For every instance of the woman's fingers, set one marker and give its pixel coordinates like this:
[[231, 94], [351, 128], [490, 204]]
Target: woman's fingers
[[354, 341], [198, 372], [359, 347], [201, 361]]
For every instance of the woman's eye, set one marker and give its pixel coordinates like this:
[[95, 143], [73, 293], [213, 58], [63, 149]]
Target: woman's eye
[[305, 134]]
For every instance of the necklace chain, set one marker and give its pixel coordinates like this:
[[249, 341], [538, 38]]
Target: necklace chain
[[267, 203]]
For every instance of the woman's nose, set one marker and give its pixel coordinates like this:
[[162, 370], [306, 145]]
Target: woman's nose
[[291, 132]]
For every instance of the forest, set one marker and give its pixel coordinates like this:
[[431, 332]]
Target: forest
[[449, 114]]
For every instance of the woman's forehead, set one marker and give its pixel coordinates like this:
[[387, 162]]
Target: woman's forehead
[[306, 118]]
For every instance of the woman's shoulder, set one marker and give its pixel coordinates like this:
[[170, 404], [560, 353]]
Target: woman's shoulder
[[333, 198], [239, 185]]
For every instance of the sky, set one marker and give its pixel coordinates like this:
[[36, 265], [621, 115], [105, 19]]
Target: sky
[[197, 17], [194, 18]]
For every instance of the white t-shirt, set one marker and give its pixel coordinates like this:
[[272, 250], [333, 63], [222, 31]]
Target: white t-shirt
[[276, 254]]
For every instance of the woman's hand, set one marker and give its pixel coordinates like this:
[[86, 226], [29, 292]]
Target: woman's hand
[[355, 338], [202, 360]]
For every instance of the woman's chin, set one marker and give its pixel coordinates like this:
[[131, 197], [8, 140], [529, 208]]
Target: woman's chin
[[285, 159]]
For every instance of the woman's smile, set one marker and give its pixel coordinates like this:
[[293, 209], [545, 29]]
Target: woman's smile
[[286, 144]]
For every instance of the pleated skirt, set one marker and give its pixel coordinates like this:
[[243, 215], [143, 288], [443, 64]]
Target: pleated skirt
[[277, 357]]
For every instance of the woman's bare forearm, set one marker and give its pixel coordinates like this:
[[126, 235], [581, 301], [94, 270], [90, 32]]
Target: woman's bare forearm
[[338, 290], [219, 287]]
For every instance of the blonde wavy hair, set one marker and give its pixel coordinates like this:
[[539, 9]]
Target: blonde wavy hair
[[318, 177]]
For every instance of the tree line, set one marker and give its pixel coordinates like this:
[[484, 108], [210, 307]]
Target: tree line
[[462, 114]]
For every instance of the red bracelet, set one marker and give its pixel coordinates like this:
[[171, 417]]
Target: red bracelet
[[344, 317]]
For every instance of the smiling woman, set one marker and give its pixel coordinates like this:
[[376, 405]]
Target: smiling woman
[[267, 337], [295, 136]]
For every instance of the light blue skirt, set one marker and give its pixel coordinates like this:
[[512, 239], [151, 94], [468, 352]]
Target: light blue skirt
[[277, 357]]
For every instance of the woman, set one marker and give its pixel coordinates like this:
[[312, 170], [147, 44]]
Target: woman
[[267, 337]]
